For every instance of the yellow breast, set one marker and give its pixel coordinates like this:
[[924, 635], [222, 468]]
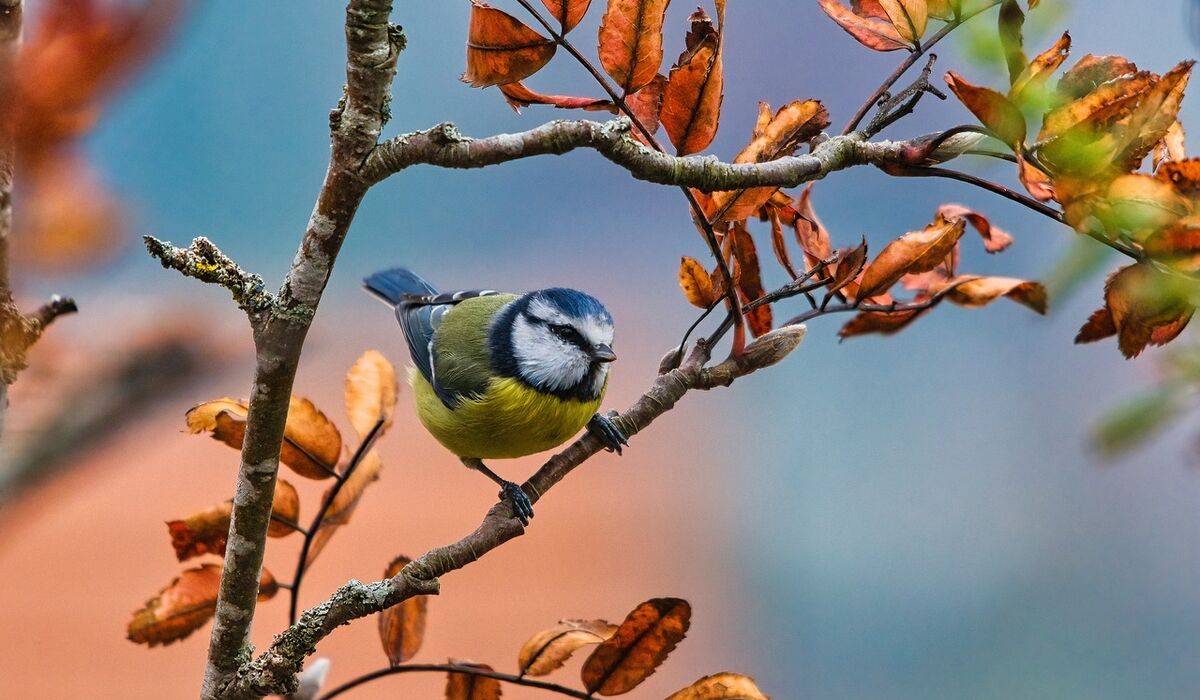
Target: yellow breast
[[508, 420]]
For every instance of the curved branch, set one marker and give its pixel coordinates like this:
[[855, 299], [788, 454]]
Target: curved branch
[[455, 668], [444, 146], [274, 671]]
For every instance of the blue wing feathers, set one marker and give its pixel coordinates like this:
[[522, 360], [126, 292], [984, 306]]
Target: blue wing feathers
[[419, 309]]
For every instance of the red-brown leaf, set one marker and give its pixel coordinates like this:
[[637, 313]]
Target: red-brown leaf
[[639, 645], [501, 49], [981, 291], [631, 41], [466, 686], [1146, 307], [568, 12], [402, 627], [519, 96], [748, 276], [994, 240], [185, 605], [918, 251], [794, 125], [870, 30], [1090, 72], [691, 107], [993, 109]]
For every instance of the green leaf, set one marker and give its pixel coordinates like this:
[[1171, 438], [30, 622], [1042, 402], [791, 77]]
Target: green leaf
[[1137, 420]]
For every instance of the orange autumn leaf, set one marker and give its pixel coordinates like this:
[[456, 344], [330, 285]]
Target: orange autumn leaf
[[981, 291], [631, 41], [917, 251], [466, 686], [908, 17], [206, 532], [402, 627], [778, 244], [519, 96], [645, 104], [1178, 245], [811, 234], [1142, 306], [639, 645], [696, 283], [994, 240], [345, 502], [775, 136], [501, 49], [869, 29], [720, 686], [1035, 181], [993, 109], [549, 649], [846, 271], [1090, 72], [1041, 68], [371, 390], [1171, 147], [67, 218], [73, 57], [185, 605], [881, 322], [1153, 116], [568, 12], [311, 444], [747, 275], [691, 106]]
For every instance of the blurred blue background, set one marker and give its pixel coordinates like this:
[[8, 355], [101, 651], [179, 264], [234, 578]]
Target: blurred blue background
[[911, 517]]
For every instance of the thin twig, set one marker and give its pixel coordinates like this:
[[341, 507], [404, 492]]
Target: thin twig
[[318, 520], [701, 219], [454, 668], [797, 286], [908, 63]]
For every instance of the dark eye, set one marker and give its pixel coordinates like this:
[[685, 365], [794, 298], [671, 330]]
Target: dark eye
[[563, 331]]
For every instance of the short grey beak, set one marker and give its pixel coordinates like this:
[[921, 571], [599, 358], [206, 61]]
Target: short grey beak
[[603, 353]]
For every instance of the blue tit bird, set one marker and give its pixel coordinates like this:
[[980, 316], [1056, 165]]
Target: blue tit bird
[[500, 375]]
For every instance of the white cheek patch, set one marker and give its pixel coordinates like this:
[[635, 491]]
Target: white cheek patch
[[545, 360]]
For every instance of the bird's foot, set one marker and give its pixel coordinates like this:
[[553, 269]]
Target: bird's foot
[[602, 427], [522, 507]]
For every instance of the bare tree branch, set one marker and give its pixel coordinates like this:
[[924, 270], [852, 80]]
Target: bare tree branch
[[274, 671], [444, 146], [205, 262], [372, 46]]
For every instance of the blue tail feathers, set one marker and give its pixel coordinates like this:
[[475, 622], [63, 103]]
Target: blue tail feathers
[[395, 284]]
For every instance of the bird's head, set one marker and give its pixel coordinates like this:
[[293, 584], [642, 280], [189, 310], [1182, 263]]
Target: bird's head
[[556, 340]]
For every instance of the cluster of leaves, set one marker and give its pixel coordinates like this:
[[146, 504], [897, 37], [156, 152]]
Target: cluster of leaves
[[623, 657], [51, 95], [1100, 123], [891, 25], [312, 448]]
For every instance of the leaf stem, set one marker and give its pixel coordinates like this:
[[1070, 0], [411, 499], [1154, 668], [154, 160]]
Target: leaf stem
[[701, 219], [455, 668], [311, 533], [907, 63]]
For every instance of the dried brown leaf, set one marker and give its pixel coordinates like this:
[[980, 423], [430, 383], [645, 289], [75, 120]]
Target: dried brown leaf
[[466, 686], [639, 645], [549, 649], [502, 49], [568, 12], [631, 41], [994, 240], [696, 283], [917, 251], [870, 30], [993, 109], [747, 274], [402, 627], [691, 106], [185, 605], [720, 686], [371, 390], [519, 96]]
